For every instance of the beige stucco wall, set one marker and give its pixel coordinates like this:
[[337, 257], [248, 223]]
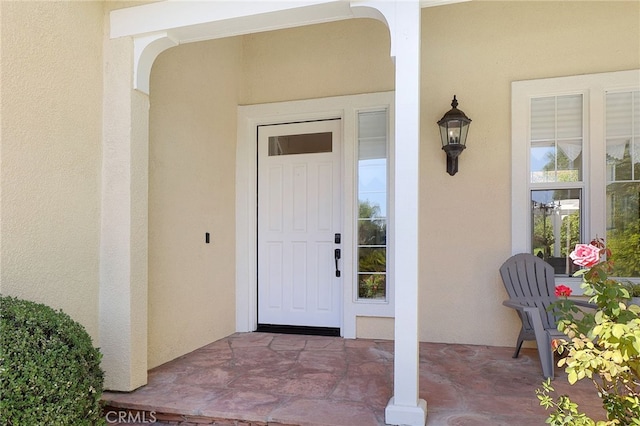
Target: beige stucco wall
[[465, 219], [191, 192], [338, 58], [375, 328], [51, 100]]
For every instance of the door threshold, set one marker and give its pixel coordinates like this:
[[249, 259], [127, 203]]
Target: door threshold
[[299, 329]]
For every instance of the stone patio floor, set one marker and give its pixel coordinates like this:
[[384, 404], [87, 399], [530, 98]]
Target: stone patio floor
[[279, 379]]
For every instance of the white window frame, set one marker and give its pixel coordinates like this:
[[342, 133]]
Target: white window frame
[[593, 87]]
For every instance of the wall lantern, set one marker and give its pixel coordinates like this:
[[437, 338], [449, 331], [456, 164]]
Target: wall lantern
[[454, 126]]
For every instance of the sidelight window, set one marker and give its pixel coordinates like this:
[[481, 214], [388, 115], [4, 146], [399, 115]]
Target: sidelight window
[[372, 205]]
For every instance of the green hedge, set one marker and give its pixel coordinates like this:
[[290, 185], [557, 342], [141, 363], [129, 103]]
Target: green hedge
[[49, 369]]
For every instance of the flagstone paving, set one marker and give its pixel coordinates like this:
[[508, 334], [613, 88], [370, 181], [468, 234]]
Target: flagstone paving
[[262, 379]]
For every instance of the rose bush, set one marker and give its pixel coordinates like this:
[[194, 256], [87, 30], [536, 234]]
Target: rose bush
[[602, 346]]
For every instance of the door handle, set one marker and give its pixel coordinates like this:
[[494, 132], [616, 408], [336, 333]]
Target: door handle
[[336, 255]]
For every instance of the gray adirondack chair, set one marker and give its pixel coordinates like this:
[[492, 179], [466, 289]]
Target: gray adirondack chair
[[530, 283]]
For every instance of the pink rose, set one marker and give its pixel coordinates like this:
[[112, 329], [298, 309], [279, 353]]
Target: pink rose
[[586, 255], [563, 290]]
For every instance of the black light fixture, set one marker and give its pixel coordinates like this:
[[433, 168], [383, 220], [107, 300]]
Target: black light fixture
[[454, 126]]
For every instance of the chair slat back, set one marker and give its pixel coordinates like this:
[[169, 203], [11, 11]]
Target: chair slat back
[[530, 280]]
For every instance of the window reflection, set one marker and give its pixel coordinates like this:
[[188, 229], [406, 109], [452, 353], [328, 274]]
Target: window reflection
[[372, 205], [556, 219], [556, 139], [309, 143], [623, 181]]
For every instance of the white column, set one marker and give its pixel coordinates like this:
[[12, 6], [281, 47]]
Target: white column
[[124, 207], [405, 407]]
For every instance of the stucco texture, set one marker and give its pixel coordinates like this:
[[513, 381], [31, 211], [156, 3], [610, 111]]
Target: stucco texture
[[192, 192], [333, 59], [51, 100], [465, 223]]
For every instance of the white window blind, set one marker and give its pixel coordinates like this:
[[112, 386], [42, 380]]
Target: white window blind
[[372, 135], [556, 138], [623, 128]]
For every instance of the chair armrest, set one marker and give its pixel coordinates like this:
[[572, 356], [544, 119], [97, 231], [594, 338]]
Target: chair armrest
[[519, 306], [532, 311], [584, 304]]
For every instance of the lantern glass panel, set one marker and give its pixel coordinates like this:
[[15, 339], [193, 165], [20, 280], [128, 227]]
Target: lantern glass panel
[[454, 132], [463, 133], [444, 134]]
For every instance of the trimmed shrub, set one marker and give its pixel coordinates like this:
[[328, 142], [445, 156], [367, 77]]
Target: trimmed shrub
[[49, 370]]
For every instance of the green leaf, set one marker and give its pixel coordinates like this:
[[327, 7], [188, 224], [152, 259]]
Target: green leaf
[[618, 330]]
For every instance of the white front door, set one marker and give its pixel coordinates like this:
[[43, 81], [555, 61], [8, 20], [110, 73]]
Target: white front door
[[299, 211]]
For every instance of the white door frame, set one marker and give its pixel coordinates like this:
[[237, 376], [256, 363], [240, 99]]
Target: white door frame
[[249, 117]]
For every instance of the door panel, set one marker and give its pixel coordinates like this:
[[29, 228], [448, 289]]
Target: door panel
[[299, 211]]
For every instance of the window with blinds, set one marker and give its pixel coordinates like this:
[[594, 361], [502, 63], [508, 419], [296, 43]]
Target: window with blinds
[[576, 168], [556, 139], [372, 205], [623, 180], [556, 174]]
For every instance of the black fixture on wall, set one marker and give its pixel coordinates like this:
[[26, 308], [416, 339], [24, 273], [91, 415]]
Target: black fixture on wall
[[454, 126]]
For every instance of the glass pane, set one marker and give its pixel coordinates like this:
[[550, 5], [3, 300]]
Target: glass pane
[[543, 118], [569, 161], [623, 227], [569, 117], [372, 232], [372, 148], [556, 139], [453, 131], [372, 259], [636, 113], [561, 163], [372, 204], [619, 164], [543, 162], [372, 286], [556, 226], [372, 124], [623, 186], [372, 186], [310, 143], [619, 114]]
